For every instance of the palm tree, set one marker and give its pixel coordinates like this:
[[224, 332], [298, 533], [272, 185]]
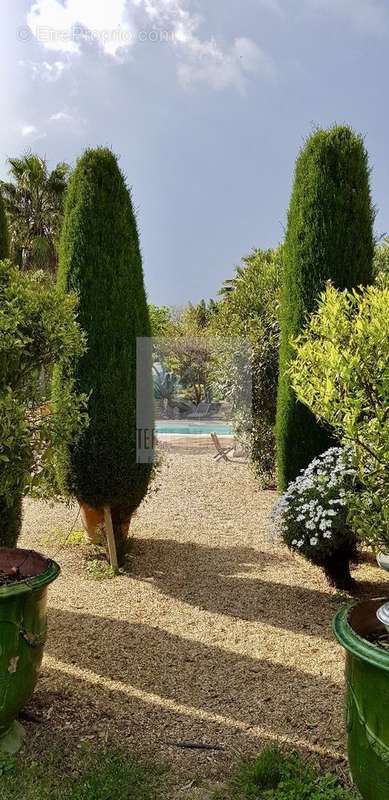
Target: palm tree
[[34, 202], [231, 284]]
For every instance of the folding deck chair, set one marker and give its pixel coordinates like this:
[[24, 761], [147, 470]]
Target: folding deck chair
[[222, 452]]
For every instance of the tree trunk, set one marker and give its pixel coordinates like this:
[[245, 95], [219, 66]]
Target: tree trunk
[[121, 525], [337, 571], [10, 521]]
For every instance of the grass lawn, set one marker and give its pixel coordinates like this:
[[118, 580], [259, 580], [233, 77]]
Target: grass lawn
[[105, 776], [116, 776]]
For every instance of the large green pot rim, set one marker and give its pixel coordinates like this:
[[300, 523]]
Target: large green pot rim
[[31, 584], [354, 643]]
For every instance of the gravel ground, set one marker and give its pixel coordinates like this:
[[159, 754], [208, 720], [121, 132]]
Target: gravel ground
[[214, 637]]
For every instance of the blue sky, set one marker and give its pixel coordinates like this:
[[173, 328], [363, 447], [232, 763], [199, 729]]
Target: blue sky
[[206, 102]]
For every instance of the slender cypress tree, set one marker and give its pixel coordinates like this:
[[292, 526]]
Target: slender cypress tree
[[329, 237], [100, 260], [4, 234]]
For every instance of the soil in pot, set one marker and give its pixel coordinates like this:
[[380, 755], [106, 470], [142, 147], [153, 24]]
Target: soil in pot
[[380, 640], [17, 565]]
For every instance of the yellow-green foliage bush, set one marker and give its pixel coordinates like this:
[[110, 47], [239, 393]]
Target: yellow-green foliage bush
[[37, 328], [341, 372]]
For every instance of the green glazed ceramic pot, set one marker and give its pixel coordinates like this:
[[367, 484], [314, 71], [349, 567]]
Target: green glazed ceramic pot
[[22, 635], [367, 698]]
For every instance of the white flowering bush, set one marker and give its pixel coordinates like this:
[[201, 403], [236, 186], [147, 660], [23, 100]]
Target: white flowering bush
[[312, 516]]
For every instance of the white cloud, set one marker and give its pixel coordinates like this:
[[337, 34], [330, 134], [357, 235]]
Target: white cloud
[[61, 116], [45, 70], [207, 62], [64, 26], [28, 130], [369, 16], [31, 132], [70, 118], [199, 59]]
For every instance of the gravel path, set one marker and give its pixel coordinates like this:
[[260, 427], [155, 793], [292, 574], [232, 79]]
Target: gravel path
[[215, 636]]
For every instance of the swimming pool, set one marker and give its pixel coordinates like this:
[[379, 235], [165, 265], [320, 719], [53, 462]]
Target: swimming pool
[[194, 429]]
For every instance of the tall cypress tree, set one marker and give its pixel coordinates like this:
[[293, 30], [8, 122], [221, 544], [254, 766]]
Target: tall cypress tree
[[329, 237], [4, 234], [100, 260]]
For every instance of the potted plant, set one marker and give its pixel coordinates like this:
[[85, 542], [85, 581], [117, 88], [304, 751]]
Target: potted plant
[[312, 516], [37, 327], [100, 260], [341, 371], [24, 579], [366, 641]]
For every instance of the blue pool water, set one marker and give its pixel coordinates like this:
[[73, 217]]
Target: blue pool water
[[194, 430]]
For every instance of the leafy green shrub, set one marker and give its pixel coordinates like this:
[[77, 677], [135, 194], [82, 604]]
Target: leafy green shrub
[[312, 515], [381, 258], [341, 372], [329, 236], [249, 309], [4, 234], [37, 327], [160, 321], [100, 261], [274, 775], [265, 377]]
